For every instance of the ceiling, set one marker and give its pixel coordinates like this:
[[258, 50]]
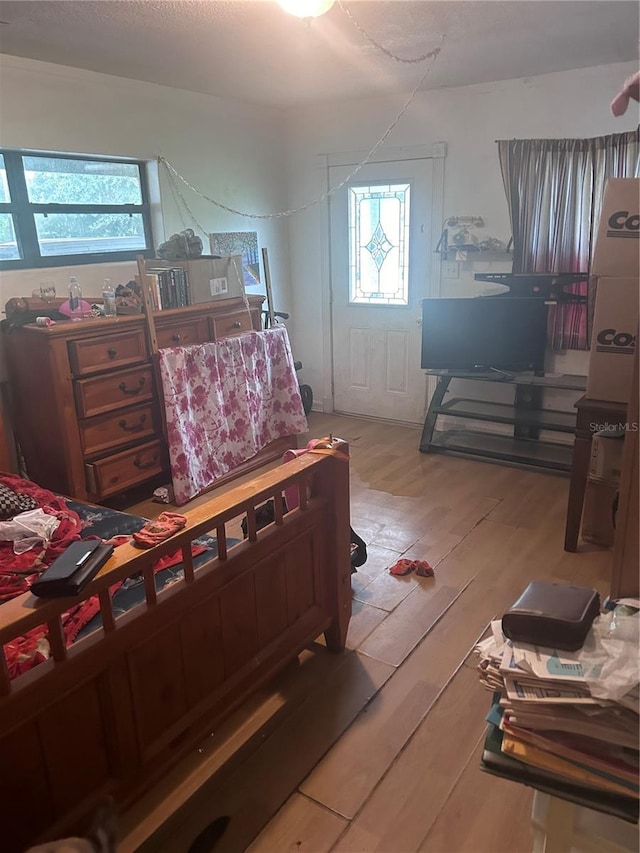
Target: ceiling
[[251, 50]]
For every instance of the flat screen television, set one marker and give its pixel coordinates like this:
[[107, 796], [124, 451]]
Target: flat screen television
[[490, 332]]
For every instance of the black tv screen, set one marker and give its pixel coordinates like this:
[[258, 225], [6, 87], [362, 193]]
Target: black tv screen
[[501, 332]]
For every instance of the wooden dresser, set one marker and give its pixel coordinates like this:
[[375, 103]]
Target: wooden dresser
[[86, 407]]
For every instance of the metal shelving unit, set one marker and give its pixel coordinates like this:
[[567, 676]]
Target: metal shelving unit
[[526, 415]]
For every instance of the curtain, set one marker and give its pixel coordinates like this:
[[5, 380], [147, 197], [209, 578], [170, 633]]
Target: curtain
[[554, 193]]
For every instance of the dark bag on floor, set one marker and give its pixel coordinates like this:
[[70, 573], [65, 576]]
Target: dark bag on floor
[[265, 514], [358, 551]]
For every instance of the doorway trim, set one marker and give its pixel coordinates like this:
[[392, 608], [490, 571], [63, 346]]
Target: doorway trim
[[437, 152]]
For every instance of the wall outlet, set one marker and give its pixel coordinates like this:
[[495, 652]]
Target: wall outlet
[[450, 269]]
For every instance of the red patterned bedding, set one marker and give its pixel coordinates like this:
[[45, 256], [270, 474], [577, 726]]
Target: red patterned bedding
[[19, 571]]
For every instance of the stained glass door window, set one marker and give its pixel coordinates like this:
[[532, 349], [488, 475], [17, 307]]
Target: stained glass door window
[[379, 244]]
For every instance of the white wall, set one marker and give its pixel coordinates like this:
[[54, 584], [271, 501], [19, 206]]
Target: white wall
[[260, 160], [469, 119], [231, 151]]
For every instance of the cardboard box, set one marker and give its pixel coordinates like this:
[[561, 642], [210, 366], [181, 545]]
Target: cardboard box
[[597, 517], [215, 278], [613, 339], [209, 278], [617, 243], [605, 465]]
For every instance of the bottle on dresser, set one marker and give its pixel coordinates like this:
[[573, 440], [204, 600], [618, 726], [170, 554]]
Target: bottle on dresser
[[109, 299], [75, 299]]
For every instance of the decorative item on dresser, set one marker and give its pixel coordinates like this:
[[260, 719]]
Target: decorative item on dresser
[[87, 410]]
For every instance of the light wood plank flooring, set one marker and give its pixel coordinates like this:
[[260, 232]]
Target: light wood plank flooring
[[378, 748]]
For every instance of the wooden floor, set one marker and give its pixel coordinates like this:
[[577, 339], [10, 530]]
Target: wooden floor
[[378, 748]]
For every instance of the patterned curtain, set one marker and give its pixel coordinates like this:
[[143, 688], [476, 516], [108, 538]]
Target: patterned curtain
[[554, 192]]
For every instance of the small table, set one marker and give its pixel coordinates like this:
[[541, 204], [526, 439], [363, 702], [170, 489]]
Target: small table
[[593, 415]]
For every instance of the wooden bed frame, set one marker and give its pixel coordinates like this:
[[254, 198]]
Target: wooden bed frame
[[110, 713]]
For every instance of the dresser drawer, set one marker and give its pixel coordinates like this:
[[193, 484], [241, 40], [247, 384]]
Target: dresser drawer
[[183, 334], [231, 324], [108, 352], [122, 470], [106, 393], [118, 428]]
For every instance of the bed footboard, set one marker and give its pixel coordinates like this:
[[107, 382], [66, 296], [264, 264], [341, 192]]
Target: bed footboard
[[111, 712]]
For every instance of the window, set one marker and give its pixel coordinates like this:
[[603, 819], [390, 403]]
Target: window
[[379, 244], [554, 191], [57, 209]]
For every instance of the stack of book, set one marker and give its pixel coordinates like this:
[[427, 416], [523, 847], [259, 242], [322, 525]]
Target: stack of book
[[546, 729], [169, 287]]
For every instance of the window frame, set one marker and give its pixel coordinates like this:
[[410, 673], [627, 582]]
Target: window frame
[[24, 211], [405, 252]]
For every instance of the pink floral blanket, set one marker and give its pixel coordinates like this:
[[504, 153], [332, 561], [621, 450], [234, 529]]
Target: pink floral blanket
[[224, 402]]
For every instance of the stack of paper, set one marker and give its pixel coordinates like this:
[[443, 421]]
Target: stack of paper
[[548, 730]]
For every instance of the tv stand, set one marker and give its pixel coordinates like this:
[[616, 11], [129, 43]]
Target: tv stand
[[503, 374], [524, 443], [551, 287]]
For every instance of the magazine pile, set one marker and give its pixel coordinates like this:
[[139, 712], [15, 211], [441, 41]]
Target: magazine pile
[[567, 723]]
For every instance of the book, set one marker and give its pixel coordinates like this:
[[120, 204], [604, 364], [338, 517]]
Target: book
[[529, 754], [507, 768], [606, 724], [609, 759], [549, 665], [169, 287], [160, 287], [182, 287], [173, 292], [498, 763], [525, 689]]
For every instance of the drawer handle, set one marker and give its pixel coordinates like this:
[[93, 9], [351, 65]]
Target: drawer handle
[[133, 427], [236, 325], [140, 465], [176, 338], [123, 387], [112, 352]]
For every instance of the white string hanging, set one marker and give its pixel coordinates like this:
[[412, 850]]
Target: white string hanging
[[381, 47], [180, 202], [177, 194], [171, 170], [173, 174]]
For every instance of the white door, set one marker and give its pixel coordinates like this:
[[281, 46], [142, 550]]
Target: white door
[[381, 262]]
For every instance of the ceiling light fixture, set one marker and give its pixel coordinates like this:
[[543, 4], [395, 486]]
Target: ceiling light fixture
[[306, 8]]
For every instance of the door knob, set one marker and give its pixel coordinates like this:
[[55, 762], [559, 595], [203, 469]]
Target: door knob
[[419, 321]]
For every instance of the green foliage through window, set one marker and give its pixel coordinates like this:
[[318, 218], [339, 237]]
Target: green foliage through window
[[63, 207]]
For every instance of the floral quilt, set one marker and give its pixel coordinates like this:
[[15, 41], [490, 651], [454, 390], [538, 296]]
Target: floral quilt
[[224, 402]]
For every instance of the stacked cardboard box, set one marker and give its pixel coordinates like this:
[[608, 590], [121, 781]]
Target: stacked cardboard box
[[603, 483], [616, 269], [606, 455]]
